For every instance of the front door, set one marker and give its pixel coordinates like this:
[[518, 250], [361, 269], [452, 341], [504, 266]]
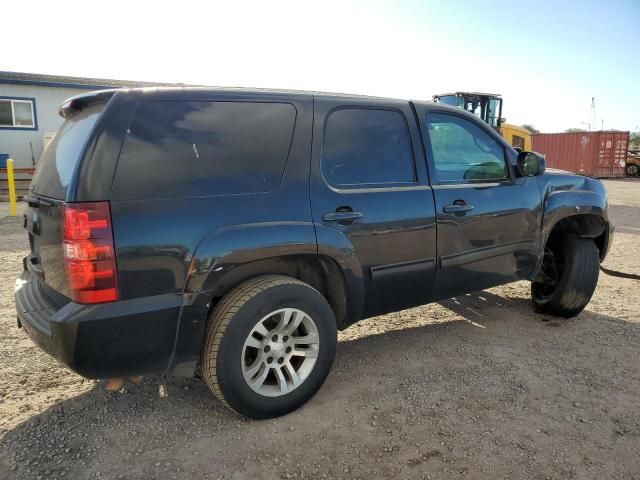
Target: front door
[[371, 200], [488, 221]]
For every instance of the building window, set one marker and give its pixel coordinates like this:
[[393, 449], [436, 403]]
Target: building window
[[17, 113]]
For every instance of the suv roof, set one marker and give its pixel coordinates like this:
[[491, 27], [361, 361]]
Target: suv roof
[[237, 90]]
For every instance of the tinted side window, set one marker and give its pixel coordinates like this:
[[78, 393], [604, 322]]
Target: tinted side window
[[462, 151], [367, 146], [178, 149], [59, 160]]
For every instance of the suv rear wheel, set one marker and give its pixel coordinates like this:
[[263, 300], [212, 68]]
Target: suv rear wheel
[[568, 278], [269, 346]]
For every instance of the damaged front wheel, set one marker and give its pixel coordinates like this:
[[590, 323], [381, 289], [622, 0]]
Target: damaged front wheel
[[568, 277]]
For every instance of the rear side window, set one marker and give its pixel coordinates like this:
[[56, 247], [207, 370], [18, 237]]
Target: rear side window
[[59, 160], [182, 149], [364, 146]]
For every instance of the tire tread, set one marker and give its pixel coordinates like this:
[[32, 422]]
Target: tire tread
[[578, 282]]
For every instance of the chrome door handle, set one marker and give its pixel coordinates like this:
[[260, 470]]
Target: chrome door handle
[[457, 208], [341, 216]]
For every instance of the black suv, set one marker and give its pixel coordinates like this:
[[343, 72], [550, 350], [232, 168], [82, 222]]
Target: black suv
[[231, 233]]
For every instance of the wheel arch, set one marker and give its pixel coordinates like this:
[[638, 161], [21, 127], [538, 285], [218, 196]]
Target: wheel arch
[[575, 212], [584, 225], [228, 257], [321, 272]]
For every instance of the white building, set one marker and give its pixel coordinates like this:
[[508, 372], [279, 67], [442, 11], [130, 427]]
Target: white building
[[29, 109]]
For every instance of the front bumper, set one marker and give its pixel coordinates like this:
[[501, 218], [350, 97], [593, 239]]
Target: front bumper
[[117, 339]]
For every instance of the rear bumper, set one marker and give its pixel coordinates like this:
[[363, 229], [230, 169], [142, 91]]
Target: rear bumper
[[116, 339]]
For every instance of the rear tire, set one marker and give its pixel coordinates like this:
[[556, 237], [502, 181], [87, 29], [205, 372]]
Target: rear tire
[[577, 263], [632, 170], [269, 346]]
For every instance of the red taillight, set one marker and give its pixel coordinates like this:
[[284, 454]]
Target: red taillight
[[89, 254]]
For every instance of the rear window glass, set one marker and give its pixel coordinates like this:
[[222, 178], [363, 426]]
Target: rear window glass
[[177, 149], [58, 162]]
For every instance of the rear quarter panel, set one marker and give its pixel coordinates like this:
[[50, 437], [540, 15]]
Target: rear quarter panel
[[159, 240], [185, 245]]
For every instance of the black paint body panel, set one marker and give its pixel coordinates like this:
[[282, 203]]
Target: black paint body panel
[[176, 256], [118, 339]]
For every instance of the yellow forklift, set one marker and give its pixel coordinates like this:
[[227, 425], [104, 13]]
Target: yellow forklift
[[488, 107]]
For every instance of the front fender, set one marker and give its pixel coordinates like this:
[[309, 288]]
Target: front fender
[[561, 204], [564, 203]]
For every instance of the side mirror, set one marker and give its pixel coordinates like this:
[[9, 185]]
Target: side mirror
[[531, 164]]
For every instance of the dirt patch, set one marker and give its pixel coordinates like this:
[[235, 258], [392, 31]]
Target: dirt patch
[[473, 387]]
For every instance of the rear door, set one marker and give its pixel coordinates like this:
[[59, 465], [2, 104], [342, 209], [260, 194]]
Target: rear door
[[488, 220], [49, 189], [370, 198]]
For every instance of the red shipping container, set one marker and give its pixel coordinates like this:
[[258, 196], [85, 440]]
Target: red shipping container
[[596, 154]]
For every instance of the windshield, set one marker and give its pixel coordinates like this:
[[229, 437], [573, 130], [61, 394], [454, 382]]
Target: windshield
[[58, 162]]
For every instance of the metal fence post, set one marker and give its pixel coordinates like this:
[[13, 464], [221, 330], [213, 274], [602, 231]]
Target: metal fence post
[[12, 188]]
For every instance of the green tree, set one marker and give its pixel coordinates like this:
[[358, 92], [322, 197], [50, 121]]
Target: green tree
[[634, 140], [571, 130], [531, 128]]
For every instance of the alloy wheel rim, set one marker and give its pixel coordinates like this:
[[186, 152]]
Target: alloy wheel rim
[[280, 352]]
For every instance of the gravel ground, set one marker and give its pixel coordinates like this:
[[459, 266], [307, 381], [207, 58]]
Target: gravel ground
[[473, 387]]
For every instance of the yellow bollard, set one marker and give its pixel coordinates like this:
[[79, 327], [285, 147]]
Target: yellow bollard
[[12, 188]]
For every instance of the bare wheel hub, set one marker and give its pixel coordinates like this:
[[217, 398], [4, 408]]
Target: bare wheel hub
[[280, 352]]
